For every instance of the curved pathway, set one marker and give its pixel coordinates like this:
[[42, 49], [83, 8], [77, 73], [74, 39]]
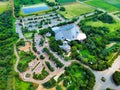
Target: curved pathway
[[108, 76]]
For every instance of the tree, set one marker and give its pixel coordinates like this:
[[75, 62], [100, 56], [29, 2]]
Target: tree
[[116, 77], [62, 9]]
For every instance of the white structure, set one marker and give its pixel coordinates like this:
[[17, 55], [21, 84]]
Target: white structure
[[65, 46], [48, 34], [68, 32]]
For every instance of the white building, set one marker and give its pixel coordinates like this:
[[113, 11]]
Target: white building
[[68, 32]]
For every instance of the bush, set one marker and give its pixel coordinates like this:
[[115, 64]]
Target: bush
[[42, 57], [41, 76], [116, 77], [49, 66], [51, 83], [62, 9]]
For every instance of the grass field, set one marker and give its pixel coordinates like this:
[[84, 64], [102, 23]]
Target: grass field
[[112, 27], [75, 9], [21, 85], [104, 4], [66, 1], [114, 2], [3, 6]]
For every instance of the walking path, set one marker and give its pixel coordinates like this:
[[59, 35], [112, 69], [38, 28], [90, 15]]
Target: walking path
[[13, 12]]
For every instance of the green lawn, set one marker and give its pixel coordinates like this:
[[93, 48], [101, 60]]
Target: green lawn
[[21, 85], [114, 2], [66, 1], [28, 35], [3, 6], [103, 4], [75, 9], [111, 27]]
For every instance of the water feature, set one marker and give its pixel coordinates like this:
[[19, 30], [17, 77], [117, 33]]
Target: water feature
[[35, 8]]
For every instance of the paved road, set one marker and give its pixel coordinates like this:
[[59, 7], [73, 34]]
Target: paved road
[[107, 74]]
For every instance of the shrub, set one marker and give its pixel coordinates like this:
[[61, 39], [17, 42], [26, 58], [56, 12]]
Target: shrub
[[116, 77]]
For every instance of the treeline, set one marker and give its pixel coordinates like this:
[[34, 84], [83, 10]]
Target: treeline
[[7, 40]]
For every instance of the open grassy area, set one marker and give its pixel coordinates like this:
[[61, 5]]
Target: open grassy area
[[114, 2], [104, 4], [112, 27], [21, 85], [66, 1], [3, 6], [75, 9]]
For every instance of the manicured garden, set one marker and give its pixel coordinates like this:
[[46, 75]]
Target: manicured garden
[[75, 10]]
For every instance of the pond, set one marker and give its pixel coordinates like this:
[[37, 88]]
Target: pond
[[35, 8]]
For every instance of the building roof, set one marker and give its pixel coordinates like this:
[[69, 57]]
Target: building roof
[[65, 46], [68, 32]]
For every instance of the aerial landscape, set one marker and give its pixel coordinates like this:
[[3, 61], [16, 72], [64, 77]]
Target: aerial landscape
[[59, 44]]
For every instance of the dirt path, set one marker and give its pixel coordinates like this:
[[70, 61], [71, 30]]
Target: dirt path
[[17, 58], [12, 4]]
